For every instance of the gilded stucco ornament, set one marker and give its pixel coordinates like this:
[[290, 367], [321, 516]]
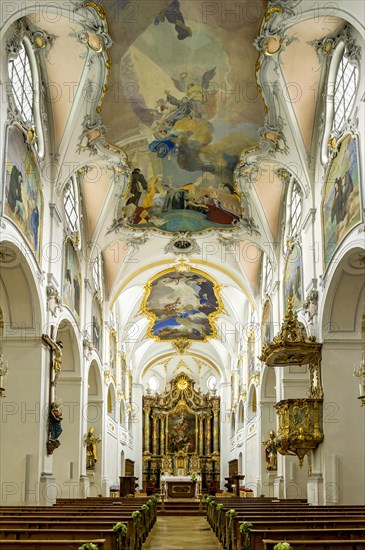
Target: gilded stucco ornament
[[300, 420], [182, 243]]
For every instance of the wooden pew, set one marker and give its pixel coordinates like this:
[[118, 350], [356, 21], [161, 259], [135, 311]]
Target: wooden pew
[[319, 544], [45, 544], [108, 535], [340, 533]]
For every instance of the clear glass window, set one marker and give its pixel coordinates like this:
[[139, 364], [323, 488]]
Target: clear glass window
[[153, 383], [345, 92], [212, 383], [268, 276], [70, 205], [21, 79], [295, 209]]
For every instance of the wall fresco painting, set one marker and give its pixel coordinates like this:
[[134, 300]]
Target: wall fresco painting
[[266, 323], [196, 119], [181, 431], [341, 202], [293, 278], [251, 360], [97, 328], [113, 353], [23, 195], [71, 285], [182, 305]]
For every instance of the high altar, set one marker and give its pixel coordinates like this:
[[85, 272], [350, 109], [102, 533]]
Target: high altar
[[181, 437]]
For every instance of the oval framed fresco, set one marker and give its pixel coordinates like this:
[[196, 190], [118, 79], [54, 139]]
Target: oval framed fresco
[[182, 306]]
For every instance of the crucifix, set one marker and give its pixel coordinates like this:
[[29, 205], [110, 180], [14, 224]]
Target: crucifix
[[55, 414], [56, 355]]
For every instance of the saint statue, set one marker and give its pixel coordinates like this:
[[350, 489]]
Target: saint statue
[[271, 452], [91, 455], [55, 418]]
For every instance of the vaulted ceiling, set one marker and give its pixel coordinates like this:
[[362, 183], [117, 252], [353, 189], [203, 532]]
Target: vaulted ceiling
[[209, 100]]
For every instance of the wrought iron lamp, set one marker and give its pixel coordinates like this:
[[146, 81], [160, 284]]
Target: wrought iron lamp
[[3, 373], [359, 372]]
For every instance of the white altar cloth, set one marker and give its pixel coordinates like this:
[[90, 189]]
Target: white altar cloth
[[172, 479]]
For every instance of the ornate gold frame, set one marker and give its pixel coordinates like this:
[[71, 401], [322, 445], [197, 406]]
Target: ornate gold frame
[[183, 406], [335, 146], [211, 317]]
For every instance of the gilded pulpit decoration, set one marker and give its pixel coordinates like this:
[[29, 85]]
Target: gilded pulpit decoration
[[181, 432], [300, 420], [292, 347], [300, 426]]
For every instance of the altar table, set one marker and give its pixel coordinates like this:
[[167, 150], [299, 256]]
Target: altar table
[[180, 486]]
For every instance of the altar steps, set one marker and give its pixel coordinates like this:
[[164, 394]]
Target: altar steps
[[180, 508]]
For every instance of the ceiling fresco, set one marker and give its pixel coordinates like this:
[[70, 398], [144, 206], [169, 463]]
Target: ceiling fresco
[[182, 305], [188, 105]]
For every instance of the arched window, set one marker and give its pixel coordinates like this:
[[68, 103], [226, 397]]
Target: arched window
[[71, 205], [295, 212], [212, 382], [25, 86], [267, 275], [341, 89], [153, 383], [344, 92], [21, 80], [97, 276]]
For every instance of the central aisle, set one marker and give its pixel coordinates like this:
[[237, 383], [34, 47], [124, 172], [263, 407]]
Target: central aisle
[[181, 533]]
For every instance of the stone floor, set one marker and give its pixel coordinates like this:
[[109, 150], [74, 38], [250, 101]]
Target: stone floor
[[181, 533]]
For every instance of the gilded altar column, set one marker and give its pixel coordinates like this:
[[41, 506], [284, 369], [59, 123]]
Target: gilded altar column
[[215, 425], [154, 434], [146, 411], [201, 431], [208, 435], [162, 435]]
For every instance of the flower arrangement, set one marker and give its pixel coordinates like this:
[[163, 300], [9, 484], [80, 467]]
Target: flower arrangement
[[89, 546], [136, 515], [193, 477], [246, 527], [212, 503], [231, 513], [207, 499], [120, 528], [145, 508], [219, 507], [283, 546]]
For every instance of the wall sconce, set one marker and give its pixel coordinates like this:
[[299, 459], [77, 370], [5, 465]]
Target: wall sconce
[[3, 373], [359, 372]]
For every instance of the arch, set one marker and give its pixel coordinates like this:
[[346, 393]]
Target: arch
[[252, 402], [66, 463], [240, 415], [233, 424], [94, 419], [111, 401], [343, 341], [21, 308]]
